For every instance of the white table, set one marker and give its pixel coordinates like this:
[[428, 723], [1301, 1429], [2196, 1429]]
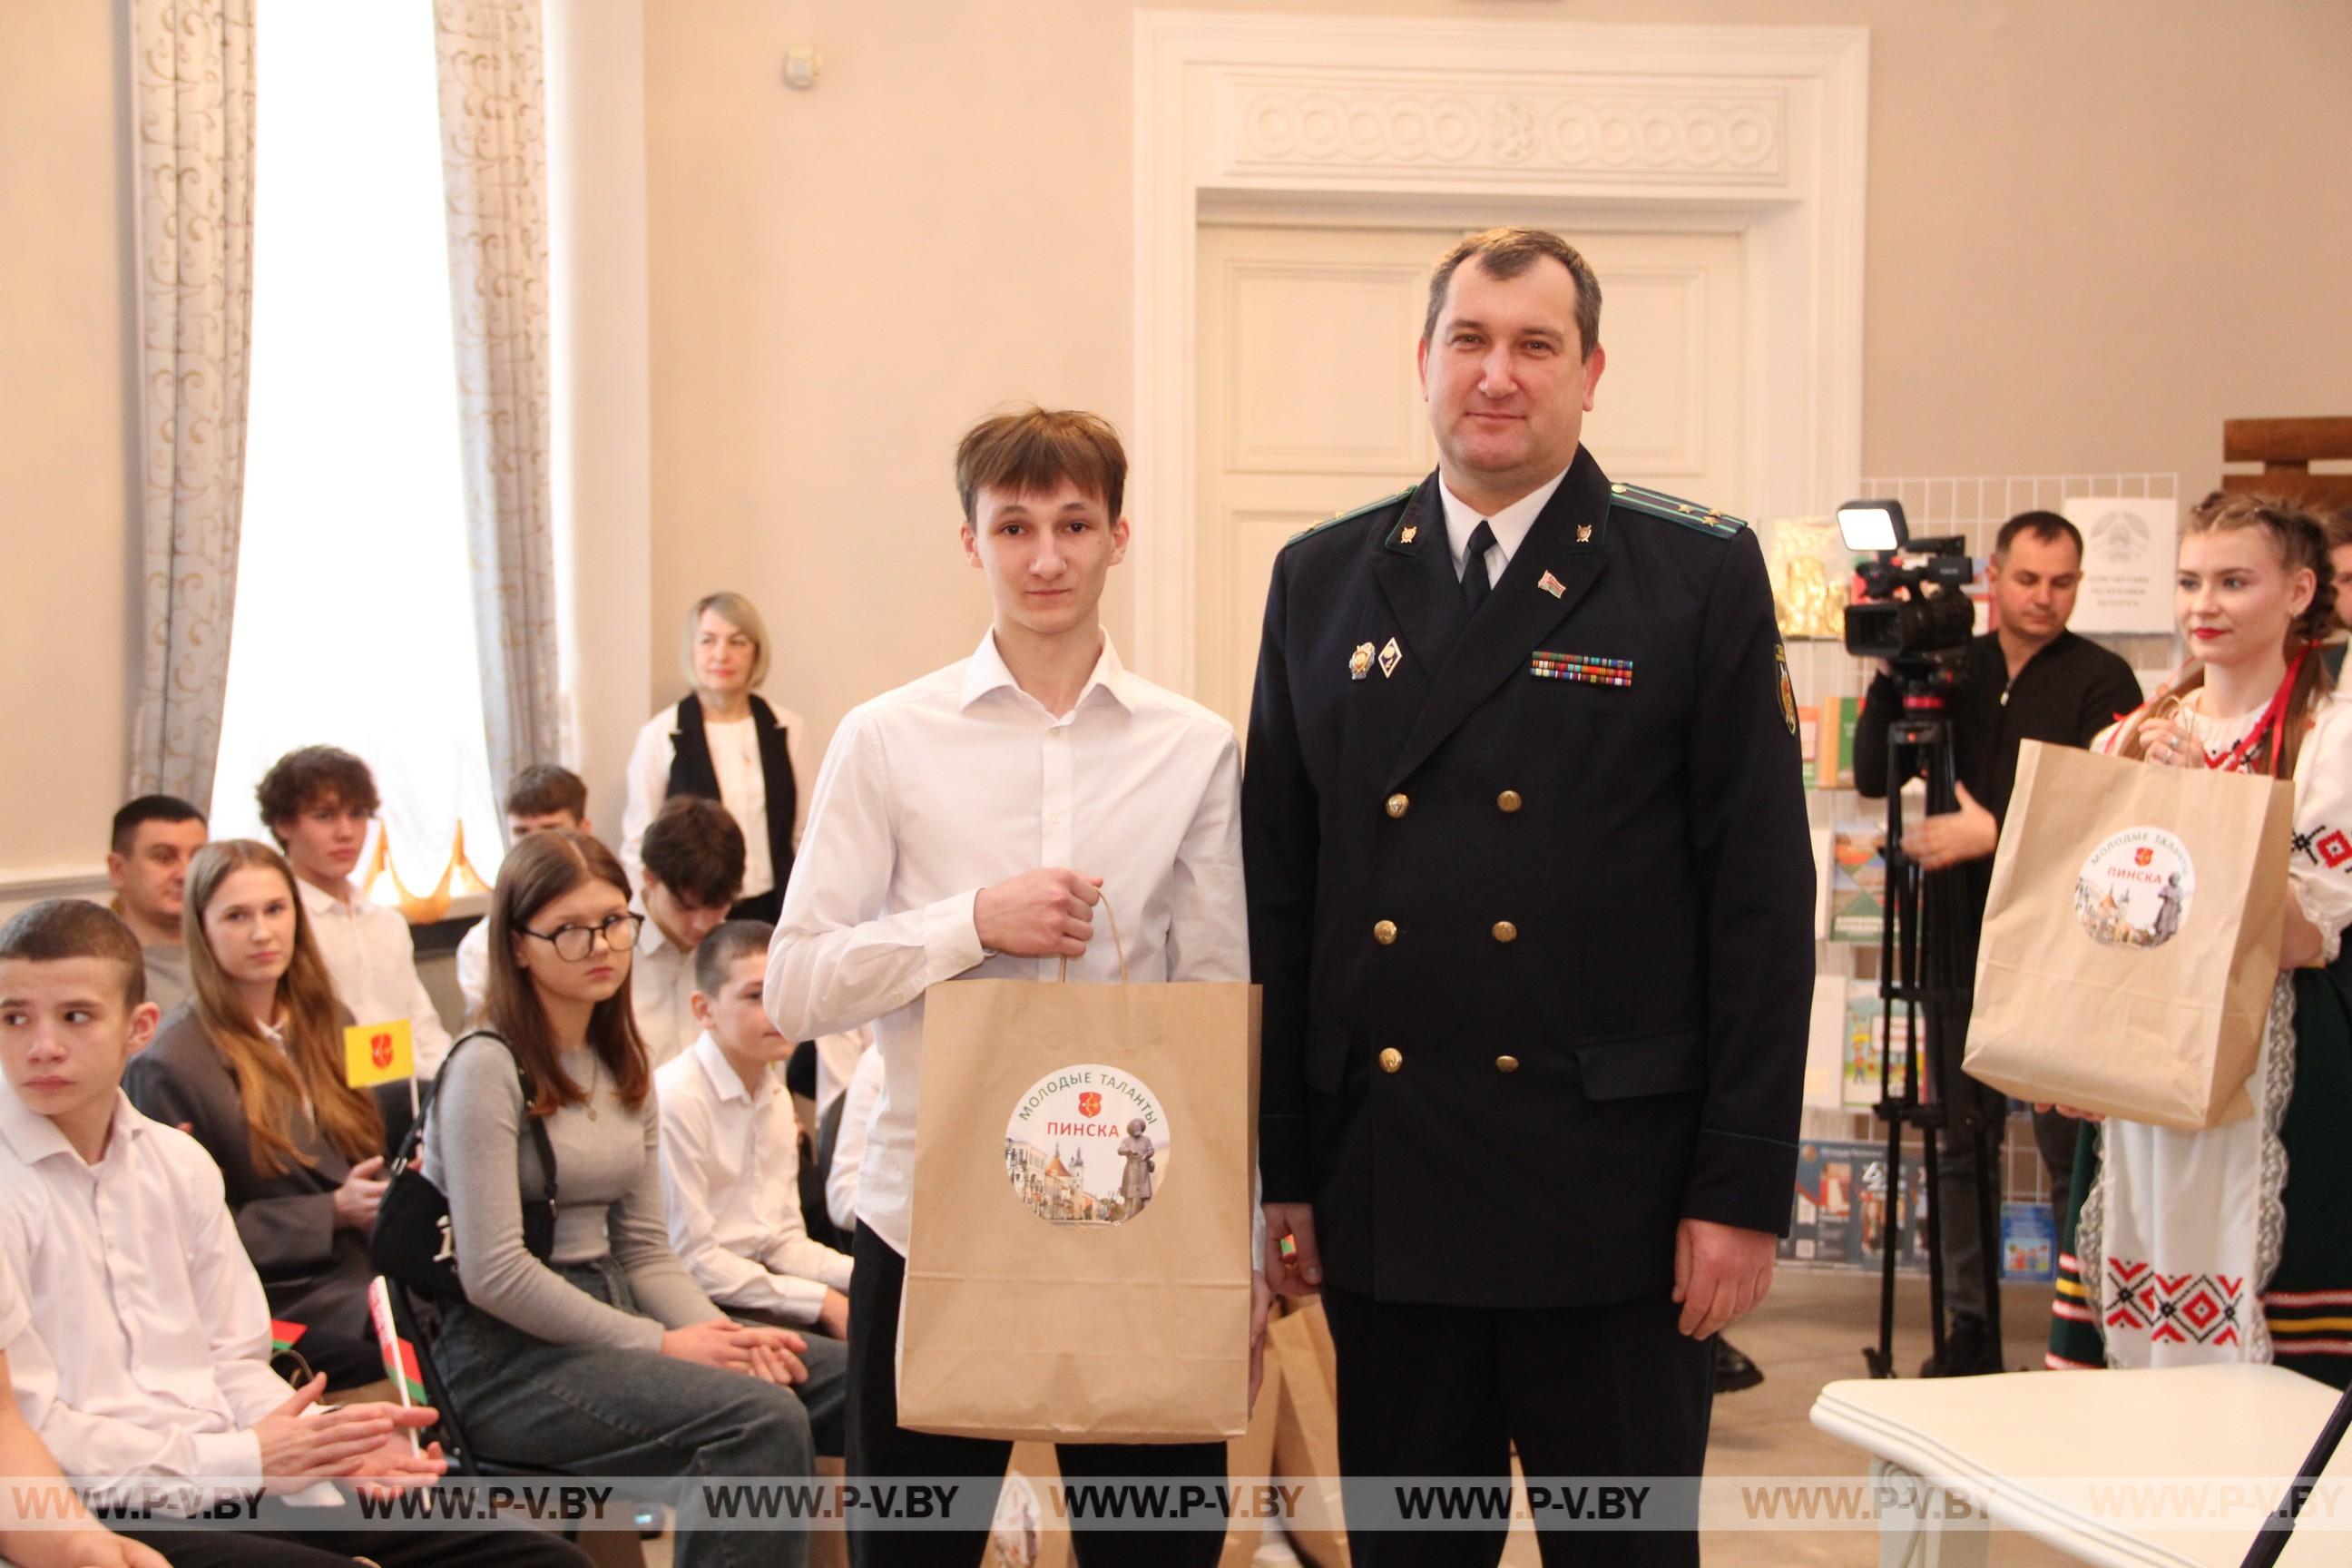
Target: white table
[[2026, 1449]]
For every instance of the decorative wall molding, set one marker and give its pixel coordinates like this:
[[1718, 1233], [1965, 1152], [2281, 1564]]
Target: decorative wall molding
[[34, 883], [1758, 130]]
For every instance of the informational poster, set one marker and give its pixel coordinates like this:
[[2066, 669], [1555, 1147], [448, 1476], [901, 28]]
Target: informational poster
[[2129, 544]]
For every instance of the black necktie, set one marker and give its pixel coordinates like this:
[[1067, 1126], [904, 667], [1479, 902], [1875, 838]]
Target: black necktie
[[1475, 584]]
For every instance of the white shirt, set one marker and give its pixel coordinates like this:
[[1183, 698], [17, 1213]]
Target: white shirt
[[474, 966], [865, 1093], [743, 789], [837, 1056], [372, 959], [1510, 526], [960, 780], [730, 1179], [135, 1276], [661, 994]]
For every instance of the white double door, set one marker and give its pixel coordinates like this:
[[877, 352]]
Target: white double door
[[1309, 406]]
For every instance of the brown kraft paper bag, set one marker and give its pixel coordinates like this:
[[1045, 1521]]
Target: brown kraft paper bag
[[1068, 1276], [2131, 937]]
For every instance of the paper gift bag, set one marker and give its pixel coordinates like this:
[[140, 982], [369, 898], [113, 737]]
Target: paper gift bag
[[1079, 1264], [2131, 937], [1307, 1437]]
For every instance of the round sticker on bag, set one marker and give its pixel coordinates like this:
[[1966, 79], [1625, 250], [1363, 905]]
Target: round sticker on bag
[[2135, 889], [1086, 1145]]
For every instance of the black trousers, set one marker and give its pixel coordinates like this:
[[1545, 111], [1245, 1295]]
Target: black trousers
[[1581, 1392], [197, 1545], [882, 1450]]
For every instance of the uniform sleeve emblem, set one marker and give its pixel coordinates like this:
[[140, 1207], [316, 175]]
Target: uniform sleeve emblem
[[1788, 692]]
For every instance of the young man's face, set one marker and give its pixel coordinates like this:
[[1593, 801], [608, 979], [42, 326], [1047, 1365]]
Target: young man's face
[[1047, 557], [2341, 559], [324, 838], [734, 1016], [682, 920], [522, 824], [151, 878], [66, 1031], [2033, 583]]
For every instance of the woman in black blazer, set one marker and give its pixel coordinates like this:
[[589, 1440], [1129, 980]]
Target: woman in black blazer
[[252, 1067]]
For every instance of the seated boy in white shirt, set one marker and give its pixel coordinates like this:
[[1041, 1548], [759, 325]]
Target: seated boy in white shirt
[[541, 797], [317, 801], [693, 868], [731, 1171], [144, 1361]]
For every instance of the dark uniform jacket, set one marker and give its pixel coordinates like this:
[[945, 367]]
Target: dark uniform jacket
[[1536, 951], [314, 1273]]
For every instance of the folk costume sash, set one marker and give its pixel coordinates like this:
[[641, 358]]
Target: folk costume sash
[[691, 772]]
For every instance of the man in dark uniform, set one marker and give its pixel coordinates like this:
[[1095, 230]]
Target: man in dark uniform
[[1531, 900]]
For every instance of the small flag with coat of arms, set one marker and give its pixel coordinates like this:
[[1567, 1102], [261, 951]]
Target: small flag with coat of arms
[[378, 1053]]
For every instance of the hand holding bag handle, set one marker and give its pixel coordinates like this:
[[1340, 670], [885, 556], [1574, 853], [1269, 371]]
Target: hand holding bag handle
[[1118, 946]]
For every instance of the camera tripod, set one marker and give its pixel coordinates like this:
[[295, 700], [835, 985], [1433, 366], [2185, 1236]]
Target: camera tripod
[[1921, 972]]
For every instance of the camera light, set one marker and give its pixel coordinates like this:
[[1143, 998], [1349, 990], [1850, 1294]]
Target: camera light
[[1872, 525]]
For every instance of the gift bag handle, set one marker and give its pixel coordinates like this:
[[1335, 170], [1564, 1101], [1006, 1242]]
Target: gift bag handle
[[1115, 941]]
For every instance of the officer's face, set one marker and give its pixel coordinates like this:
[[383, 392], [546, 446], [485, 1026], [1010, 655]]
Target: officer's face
[[1046, 556], [1508, 380]]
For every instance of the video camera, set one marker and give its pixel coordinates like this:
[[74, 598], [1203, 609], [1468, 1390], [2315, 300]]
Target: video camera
[[1914, 603]]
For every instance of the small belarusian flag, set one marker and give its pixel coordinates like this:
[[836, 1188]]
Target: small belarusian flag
[[378, 1053], [399, 1355], [282, 1336]]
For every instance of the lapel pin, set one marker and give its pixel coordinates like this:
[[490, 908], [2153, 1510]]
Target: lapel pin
[[1551, 584], [1584, 533], [1411, 528], [1359, 663], [1390, 656]]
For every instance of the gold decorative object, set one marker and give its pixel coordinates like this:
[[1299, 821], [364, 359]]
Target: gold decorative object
[[1811, 569], [457, 876]]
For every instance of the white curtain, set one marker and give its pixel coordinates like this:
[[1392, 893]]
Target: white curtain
[[192, 85], [494, 171]]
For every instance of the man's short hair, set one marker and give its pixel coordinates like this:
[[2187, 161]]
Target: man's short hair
[[543, 789], [2338, 526], [148, 808], [723, 946], [695, 850], [1505, 253], [300, 779], [2045, 526], [58, 929], [1030, 452]]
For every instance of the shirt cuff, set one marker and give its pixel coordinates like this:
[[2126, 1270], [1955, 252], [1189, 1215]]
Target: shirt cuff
[[229, 1456], [950, 937]]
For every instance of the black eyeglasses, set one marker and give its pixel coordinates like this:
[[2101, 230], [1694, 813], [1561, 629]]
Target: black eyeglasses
[[573, 943]]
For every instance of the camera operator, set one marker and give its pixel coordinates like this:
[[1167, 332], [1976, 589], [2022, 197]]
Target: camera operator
[[2030, 679]]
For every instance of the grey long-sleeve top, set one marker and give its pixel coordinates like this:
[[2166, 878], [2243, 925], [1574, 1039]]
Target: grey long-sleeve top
[[479, 1153]]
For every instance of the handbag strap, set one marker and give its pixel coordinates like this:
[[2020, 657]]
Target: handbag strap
[[411, 1145], [1118, 945]]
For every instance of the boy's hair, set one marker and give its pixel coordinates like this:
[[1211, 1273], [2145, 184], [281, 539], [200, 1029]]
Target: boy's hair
[[136, 815], [543, 789], [311, 774], [58, 929], [723, 946], [1030, 451], [2045, 526], [695, 850]]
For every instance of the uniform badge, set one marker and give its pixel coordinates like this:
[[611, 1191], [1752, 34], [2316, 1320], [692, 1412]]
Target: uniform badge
[[1359, 663], [1551, 584], [1584, 533], [1788, 692], [1410, 529], [1590, 669], [1390, 656]]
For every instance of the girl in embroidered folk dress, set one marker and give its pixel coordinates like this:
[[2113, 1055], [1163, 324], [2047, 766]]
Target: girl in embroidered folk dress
[[2235, 1243]]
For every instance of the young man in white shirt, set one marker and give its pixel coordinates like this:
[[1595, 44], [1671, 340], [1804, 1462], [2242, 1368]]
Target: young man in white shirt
[[730, 1172], [966, 826], [317, 801], [154, 838], [543, 797], [693, 868], [144, 1361]]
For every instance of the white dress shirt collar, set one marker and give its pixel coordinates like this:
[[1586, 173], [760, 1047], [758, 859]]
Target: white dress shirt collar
[[319, 902], [33, 1137], [986, 671], [725, 1081], [1510, 525]]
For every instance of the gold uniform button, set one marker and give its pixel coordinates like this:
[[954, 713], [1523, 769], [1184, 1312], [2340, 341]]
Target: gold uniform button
[[1506, 931], [1391, 1060], [1507, 801], [1399, 804], [1385, 933], [1507, 1064]]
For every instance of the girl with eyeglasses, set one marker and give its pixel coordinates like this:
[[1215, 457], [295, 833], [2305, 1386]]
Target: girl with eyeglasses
[[602, 1357]]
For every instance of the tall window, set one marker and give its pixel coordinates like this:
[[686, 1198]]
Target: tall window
[[352, 625]]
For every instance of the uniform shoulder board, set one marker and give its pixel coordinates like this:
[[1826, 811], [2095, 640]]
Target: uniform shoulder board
[[1674, 508], [1351, 516]]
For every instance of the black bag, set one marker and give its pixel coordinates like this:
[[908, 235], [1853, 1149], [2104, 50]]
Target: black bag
[[413, 1244]]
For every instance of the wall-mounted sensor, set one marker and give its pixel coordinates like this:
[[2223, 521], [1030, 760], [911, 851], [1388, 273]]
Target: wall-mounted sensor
[[802, 63]]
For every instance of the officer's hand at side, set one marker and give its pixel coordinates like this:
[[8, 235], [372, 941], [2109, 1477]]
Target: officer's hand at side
[[1946, 839], [1045, 913], [1721, 1273], [1301, 1274]]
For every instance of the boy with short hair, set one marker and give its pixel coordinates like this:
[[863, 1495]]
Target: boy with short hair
[[693, 867], [731, 1169], [317, 803], [153, 838], [543, 797], [144, 1361]]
